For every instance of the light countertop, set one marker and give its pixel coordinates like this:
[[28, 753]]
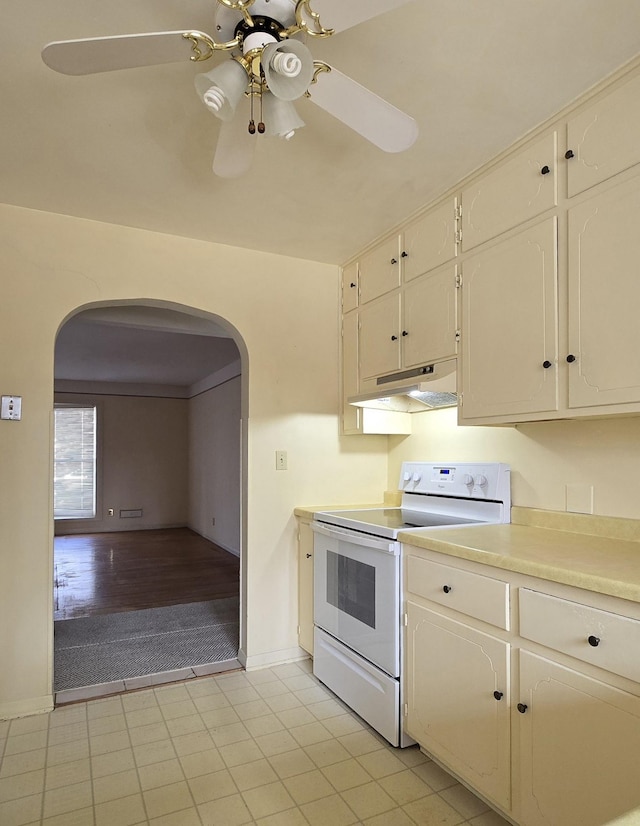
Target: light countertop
[[604, 564]]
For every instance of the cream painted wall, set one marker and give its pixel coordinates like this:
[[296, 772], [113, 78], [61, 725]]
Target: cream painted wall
[[214, 464], [545, 457], [143, 450], [284, 314]]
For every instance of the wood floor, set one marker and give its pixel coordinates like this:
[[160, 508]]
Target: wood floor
[[104, 573]]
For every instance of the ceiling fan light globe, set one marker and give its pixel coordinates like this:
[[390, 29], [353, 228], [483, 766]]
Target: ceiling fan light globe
[[275, 57], [280, 117], [222, 87]]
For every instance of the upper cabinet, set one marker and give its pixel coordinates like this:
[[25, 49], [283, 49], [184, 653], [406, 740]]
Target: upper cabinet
[[527, 272], [509, 332], [430, 240], [603, 139], [604, 298], [522, 187], [350, 280], [380, 269]]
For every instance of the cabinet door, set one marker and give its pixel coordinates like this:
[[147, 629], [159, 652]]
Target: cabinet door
[[429, 241], [579, 747], [509, 326], [515, 191], [604, 298], [350, 382], [305, 586], [379, 340], [604, 138], [429, 317], [452, 672], [350, 288], [380, 270]]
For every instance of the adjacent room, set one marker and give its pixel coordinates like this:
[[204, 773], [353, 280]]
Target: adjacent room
[[146, 500]]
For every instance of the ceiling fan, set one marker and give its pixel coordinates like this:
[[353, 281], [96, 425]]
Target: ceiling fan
[[268, 66]]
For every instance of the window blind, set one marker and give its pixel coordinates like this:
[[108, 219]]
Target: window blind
[[74, 481]]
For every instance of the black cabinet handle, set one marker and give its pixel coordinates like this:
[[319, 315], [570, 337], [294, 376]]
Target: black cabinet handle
[[394, 260], [593, 641], [545, 170], [569, 154], [571, 358], [309, 556], [353, 284], [405, 333], [404, 254], [522, 707], [447, 589], [394, 338], [546, 364], [498, 695]]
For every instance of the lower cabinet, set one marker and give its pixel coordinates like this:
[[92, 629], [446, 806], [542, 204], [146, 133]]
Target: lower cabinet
[[541, 717], [458, 699], [579, 747], [305, 585]]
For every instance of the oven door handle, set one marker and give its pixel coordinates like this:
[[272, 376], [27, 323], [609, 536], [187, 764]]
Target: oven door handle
[[374, 543]]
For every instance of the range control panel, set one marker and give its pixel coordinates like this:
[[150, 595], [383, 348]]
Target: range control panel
[[488, 480]]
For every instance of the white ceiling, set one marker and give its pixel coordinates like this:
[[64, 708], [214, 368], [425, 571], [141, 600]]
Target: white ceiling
[[135, 147]]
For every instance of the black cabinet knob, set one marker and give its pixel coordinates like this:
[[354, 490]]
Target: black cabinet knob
[[394, 338], [498, 695], [545, 170], [522, 707], [593, 641], [394, 260], [571, 358], [353, 284], [447, 589], [405, 333], [546, 364], [569, 154], [309, 556], [404, 254]]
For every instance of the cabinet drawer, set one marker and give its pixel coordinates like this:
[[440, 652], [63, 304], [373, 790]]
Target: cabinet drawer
[[589, 634], [472, 594], [515, 191]]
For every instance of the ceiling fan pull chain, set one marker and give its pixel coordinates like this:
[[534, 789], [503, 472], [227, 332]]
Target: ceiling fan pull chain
[[252, 123], [261, 126]]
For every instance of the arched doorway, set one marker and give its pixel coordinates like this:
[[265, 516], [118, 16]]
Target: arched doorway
[[166, 384]]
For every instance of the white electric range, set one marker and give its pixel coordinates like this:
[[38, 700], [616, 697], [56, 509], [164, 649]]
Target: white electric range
[[358, 580]]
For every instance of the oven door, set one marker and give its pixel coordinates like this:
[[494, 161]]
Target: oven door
[[357, 593]]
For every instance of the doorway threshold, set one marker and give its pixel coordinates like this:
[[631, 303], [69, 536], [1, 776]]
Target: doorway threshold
[[94, 692]]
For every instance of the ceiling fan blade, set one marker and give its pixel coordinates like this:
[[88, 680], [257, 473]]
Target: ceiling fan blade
[[342, 14], [235, 149], [366, 113], [105, 54]]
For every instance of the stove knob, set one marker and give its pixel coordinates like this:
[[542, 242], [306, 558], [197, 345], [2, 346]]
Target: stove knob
[[467, 479], [481, 480], [417, 477], [406, 477]]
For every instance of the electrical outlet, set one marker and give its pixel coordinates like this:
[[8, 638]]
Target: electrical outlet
[[110, 512], [281, 459]]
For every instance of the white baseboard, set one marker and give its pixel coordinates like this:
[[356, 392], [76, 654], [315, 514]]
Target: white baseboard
[[24, 708], [287, 655]]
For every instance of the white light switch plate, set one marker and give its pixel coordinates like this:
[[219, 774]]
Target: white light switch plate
[[11, 408]]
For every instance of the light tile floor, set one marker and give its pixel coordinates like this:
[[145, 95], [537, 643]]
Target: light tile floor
[[267, 747]]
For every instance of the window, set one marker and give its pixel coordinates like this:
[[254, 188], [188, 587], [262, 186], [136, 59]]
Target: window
[[74, 463]]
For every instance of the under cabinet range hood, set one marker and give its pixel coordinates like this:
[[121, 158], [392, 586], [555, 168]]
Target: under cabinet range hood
[[413, 391]]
